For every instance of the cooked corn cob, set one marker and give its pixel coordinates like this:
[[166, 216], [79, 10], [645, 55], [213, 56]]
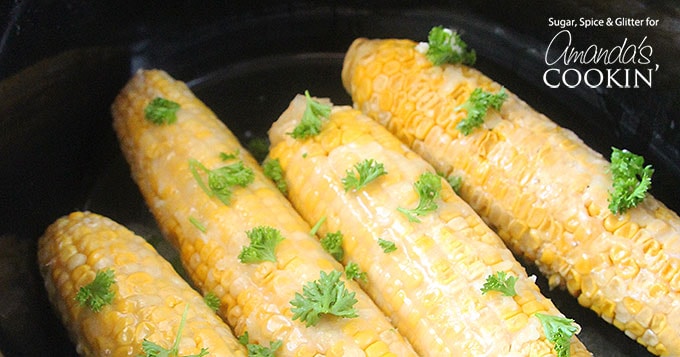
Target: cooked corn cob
[[149, 299], [431, 284], [537, 184], [255, 297]]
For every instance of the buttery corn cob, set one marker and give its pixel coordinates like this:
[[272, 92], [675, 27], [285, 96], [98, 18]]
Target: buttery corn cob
[[537, 184], [149, 295], [430, 286], [255, 297]]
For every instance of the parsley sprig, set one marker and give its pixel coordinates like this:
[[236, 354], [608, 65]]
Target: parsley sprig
[[445, 46], [161, 111], [98, 293], [272, 169], [428, 188], [244, 339], [454, 181], [386, 245], [317, 226], [500, 282], [222, 180], [559, 331], [630, 180], [310, 124], [224, 156], [367, 170], [152, 349], [328, 295], [212, 300], [352, 272], [332, 243], [198, 224], [255, 350], [477, 106], [263, 242]]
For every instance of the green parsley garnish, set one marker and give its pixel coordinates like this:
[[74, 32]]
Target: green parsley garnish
[[454, 181], [352, 272], [212, 300], [229, 156], [428, 188], [198, 224], [476, 106], [98, 293], [244, 339], [263, 242], [368, 170], [255, 350], [223, 179], [445, 46], [500, 282], [332, 243], [386, 245], [559, 331], [152, 349], [310, 124], [272, 169], [317, 226], [328, 295], [630, 180], [161, 111]]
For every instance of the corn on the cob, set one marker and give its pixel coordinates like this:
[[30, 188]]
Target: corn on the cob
[[255, 297], [539, 185], [149, 295], [431, 284]]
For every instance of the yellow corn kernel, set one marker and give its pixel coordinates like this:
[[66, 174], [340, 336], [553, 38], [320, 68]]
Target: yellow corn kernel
[[517, 322], [574, 282], [618, 324], [627, 268], [594, 210], [651, 247], [627, 230], [532, 307], [364, 338], [632, 305], [658, 349], [425, 242], [377, 349], [668, 271], [607, 308], [396, 298], [613, 222], [675, 282], [536, 216]]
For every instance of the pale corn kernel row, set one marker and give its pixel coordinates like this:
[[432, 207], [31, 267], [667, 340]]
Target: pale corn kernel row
[[538, 185], [255, 297], [149, 300], [430, 286]]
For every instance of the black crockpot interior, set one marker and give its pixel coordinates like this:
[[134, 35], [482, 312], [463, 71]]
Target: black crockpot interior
[[62, 63]]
